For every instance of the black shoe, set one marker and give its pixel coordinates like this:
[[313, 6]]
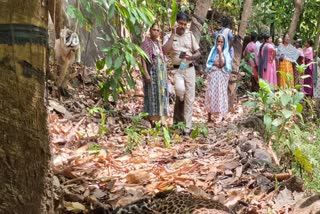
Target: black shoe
[[186, 133]]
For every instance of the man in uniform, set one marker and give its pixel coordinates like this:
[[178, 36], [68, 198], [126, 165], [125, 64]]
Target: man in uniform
[[181, 46]]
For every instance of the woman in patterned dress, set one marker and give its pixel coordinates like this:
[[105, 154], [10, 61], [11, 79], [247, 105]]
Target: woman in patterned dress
[[287, 54], [219, 67], [156, 95]]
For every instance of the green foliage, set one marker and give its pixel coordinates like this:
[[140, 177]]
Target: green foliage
[[200, 84], [179, 126], [102, 125], [137, 135], [120, 53], [94, 149], [134, 138], [267, 13], [174, 12], [158, 131], [303, 160], [138, 118], [232, 7], [155, 132], [304, 144], [279, 108], [308, 20], [245, 67], [275, 17], [158, 134], [166, 136], [206, 35], [199, 129], [160, 10], [294, 140]]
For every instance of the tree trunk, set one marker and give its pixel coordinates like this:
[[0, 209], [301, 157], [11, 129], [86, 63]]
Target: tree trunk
[[24, 149], [58, 15], [298, 8], [237, 44], [199, 17], [316, 40], [245, 16]]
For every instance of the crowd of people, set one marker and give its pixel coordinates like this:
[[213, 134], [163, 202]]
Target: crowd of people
[[183, 49], [277, 64]]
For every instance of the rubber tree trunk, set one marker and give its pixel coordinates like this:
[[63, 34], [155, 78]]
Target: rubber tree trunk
[[199, 17], [298, 8], [245, 17], [238, 46], [59, 16], [24, 149], [316, 40]]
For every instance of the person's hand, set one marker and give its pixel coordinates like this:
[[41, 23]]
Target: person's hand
[[219, 48], [281, 57], [148, 79], [188, 57], [174, 29]]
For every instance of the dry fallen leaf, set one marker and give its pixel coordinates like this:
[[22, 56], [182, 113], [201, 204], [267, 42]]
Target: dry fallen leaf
[[179, 163], [284, 199], [233, 199], [200, 165], [98, 193], [74, 207], [198, 192], [138, 177]]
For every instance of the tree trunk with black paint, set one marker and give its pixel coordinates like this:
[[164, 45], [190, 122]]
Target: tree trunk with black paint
[[24, 149]]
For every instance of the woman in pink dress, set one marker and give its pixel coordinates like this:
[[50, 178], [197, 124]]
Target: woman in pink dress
[[308, 57], [251, 48], [267, 63]]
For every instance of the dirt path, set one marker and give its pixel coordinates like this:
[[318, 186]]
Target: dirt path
[[231, 164]]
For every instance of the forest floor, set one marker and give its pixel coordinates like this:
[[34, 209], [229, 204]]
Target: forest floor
[[231, 164]]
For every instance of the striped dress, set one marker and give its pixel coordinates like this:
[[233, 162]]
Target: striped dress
[[156, 94]]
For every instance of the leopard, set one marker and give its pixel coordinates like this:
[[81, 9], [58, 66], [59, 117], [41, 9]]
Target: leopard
[[172, 202]]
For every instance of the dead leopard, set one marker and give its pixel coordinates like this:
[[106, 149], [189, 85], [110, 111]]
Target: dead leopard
[[171, 202]]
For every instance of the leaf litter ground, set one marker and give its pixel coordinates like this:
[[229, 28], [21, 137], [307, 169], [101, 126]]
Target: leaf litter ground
[[231, 164]]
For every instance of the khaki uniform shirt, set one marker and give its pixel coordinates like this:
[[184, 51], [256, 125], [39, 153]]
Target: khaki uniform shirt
[[182, 43]]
